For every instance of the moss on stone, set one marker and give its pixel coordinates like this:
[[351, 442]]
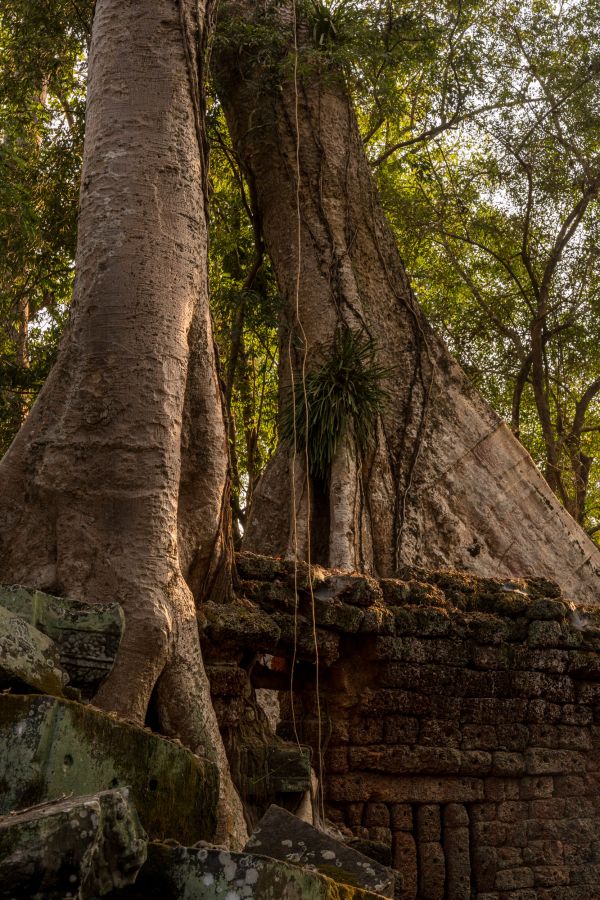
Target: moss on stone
[[52, 747], [180, 873]]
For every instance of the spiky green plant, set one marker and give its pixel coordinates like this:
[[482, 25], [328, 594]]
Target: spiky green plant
[[343, 396], [327, 21]]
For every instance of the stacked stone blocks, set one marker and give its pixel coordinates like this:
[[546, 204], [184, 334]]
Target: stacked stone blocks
[[460, 727]]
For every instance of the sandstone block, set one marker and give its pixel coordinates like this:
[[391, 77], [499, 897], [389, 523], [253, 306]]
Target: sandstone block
[[551, 876], [89, 845], [484, 812], [337, 760], [439, 733], [379, 834], [584, 664], [554, 634], [536, 787], [456, 816], [588, 693], [552, 688], [378, 620], [550, 808], [479, 737], [485, 865], [498, 789], [87, 635], [550, 762], [408, 760], [281, 835], [565, 737], [547, 608], [432, 871], [576, 714], [414, 650], [253, 567], [429, 824], [368, 786], [28, 658], [377, 814], [300, 634], [512, 811], [490, 834], [367, 731], [543, 853], [458, 863], [514, 737], [51, 747], [215, 874], [399, 730], [504, 763], [514, 879], [405, 862], [543, 712], [411, 593], [358, 590], [271, 769], [402, 817], [546, 660], [487, 629], [354, 813], [492, 711]]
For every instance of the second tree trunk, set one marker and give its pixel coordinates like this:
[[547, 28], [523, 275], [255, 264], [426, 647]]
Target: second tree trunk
[[445, 483]]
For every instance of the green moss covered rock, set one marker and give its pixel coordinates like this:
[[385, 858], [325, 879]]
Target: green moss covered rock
[[50, 748]]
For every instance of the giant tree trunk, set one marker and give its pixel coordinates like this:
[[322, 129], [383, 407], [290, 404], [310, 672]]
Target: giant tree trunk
[[116, 484], [446, 483]]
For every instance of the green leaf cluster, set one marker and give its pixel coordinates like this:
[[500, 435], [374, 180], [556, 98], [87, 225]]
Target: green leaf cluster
[[343, 396]]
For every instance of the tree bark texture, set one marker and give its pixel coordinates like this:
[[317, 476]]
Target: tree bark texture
[[116, 486], [446, 484]]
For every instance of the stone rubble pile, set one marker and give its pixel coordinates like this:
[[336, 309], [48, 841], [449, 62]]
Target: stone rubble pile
[[456, 738]]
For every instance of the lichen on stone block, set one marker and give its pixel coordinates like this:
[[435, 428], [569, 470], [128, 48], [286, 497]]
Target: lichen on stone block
[[50, 747]]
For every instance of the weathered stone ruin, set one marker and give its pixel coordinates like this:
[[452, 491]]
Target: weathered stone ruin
[[456, 738]]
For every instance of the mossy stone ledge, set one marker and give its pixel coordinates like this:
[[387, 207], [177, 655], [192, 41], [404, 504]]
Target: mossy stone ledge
[[50, 748]]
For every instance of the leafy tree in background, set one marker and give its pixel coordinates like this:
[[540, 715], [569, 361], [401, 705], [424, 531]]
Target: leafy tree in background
[[42, 100], [246, 309], [495, 204], [461, 106]]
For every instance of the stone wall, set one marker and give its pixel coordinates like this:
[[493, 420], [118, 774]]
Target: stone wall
[[459, 724]]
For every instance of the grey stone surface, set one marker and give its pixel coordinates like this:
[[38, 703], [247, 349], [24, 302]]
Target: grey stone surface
[[28, 657], [181, 873], [78, 847], [87, 635], [268, 770], [281, 835], [51, 747]]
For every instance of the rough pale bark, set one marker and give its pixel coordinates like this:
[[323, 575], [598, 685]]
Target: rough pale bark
[[446, 484], [116, 484]]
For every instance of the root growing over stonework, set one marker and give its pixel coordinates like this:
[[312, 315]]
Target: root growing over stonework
[[445, 483], [114, 489]]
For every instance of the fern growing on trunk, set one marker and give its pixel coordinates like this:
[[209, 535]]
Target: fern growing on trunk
[[341, 396]]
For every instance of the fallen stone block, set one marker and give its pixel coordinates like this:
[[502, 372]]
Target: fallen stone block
[[172, 873], [28, 657], [87, 635], [283, 836], [231, 628], [51, 747], [267, 770], [78, 847]]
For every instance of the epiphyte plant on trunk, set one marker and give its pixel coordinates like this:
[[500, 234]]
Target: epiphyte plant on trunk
[[340, 397]]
